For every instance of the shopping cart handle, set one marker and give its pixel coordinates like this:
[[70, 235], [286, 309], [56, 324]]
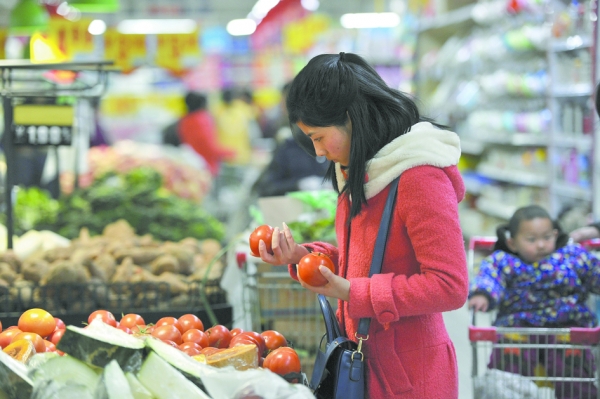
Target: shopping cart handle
[[585, 336], [477, 334], [482, 242], [594, 243]]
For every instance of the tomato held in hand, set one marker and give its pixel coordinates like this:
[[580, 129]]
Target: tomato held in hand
[[265, 233], [282, 361], [308, 268]]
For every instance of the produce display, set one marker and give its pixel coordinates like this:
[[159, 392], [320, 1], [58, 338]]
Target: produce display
[[181, 176], [104, 360], [137, 196], [117, 269]]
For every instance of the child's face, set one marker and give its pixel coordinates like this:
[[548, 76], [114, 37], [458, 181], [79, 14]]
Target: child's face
[[535, 239]]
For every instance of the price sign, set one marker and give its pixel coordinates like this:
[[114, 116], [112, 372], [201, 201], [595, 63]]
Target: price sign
[[42, 135], [42, 125]]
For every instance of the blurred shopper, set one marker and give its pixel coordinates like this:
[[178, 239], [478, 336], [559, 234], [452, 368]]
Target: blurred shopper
[[234, 119], [281, 176], [197, 129]]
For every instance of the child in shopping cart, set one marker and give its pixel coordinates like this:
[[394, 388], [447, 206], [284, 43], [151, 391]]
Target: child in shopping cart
[[535, 279]]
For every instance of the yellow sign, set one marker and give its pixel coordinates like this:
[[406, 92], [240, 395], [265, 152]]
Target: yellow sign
[[71, 37], [300, 36], [127, 51], [3, 36], [177, 53], [49, 115]]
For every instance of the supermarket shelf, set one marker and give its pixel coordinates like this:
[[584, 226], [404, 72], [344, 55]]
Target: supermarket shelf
[[503, 138], [454, 17], [571, 43], [571, 191], [495, 208], [513, 176], [472, 147], [573, 90], [582, 143]]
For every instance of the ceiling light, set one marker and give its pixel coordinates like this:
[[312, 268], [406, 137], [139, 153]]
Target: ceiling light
[[27, 17], [156, 26], [97, 27], [370, 20], [310, 5], [99, 6], [241, 27]]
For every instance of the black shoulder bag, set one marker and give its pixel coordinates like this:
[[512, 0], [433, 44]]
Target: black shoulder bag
[[339, 372]]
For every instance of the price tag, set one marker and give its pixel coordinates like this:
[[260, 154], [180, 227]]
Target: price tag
[[39, 135]]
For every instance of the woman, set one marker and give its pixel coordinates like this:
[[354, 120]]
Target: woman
[[373, 134]]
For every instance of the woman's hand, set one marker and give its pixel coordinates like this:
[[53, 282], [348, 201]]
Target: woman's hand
[[336, 287], [285, 250], [479, 303]]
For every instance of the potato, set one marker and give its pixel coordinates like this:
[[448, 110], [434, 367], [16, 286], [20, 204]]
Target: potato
[[35, 270], [164, 263]]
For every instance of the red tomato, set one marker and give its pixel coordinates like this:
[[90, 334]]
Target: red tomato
[[50, 347], [126, 329], [273, 339], [191, 351], [265, 233], [165, 321], [196, 336], [168, 332], [173, 344], [259, 341], [103, 315], [282, 361], [37, 321], [7, 335], [131, 320], [187, 345], [308, 268], [36, 340], [236, 331], [59, 324], [189, 321], [57, 335], [219, 336], [210, 350]]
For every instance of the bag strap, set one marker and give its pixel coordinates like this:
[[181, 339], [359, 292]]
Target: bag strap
[[331, 324], [380, 244]]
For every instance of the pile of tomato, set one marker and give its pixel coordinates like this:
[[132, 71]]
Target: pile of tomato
[[186, 333]]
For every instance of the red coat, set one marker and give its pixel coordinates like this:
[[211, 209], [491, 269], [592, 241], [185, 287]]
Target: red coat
[[198, 130], [424, 273]]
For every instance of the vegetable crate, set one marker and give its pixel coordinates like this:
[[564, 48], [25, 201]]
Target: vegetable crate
[[282, 304], [74, 302]]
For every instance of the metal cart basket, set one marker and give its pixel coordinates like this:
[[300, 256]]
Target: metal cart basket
[[511, 362]]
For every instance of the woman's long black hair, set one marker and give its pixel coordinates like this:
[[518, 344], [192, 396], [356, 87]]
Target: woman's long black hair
[[333, 89], [522, 214]]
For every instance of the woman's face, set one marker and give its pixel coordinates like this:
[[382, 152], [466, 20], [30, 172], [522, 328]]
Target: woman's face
[[535, 239], [330, 142]]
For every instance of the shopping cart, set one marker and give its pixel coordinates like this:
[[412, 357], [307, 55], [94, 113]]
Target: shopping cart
[[274, 301], [511, 362]]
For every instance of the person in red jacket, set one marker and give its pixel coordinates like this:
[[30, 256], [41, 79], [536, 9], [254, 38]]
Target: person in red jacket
[[197, 129], [372, 134]]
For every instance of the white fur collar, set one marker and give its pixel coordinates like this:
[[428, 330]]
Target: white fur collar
[[425, 144]]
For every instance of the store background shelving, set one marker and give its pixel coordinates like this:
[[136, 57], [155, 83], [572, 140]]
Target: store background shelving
[[515, 80]]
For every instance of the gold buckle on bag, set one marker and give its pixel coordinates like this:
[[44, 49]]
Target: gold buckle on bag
[[359, 349]]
